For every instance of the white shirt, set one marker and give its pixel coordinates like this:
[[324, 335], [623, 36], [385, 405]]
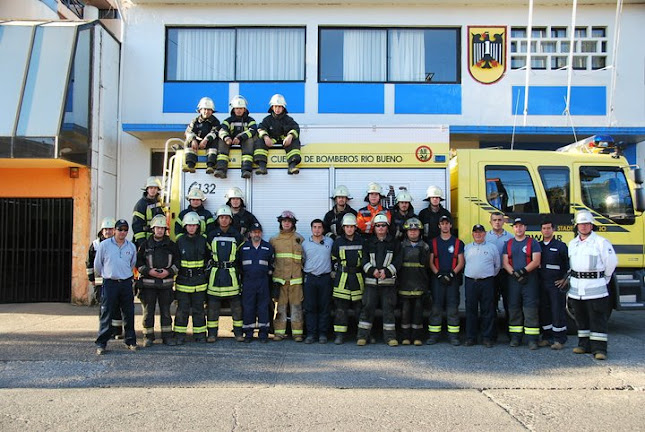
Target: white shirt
[[594, 254]]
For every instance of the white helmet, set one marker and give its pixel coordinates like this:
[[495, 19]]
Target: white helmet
[[108, 223], [234, 192], [374, 187], [153, 182], [403, 196], [191, 218], [341, 191], [158, 221], [207, 103], [349, 219], [195, 193], [238, 102], [380, 218], [584, 216], [434, 191], [224, 211], [277, 99]]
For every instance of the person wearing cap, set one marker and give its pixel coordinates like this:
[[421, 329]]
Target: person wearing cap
[[287, 278], [482, 263], [446, 264], [413, 281], [257, 258], [114, 261], [521, 259], [365, 216], [223, 284], [332, 222], [316, 255], [278, 128], [158, 263], [498, 236], [430, 215], [195, 200], [592, 260], [148, 206], [381, 262], [346, 255], [402, 211], [192, 280], [201, 133], [554, 265], [242, 218], [106, 232], [238, 129]]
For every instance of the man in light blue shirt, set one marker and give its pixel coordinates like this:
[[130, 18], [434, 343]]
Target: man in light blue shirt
[[499, 236], [114, 261], [317, 268]]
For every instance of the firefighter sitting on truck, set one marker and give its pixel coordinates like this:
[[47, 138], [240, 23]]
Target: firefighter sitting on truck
[[332, 222], [278, 128], [201, 134], [402, 212], [366, 214], [238, 129], [145, 209], [196, 199], [431, 215]]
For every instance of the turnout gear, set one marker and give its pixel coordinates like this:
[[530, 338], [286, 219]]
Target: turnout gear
[[367, 214], [445, 287], [430, 220], [399, 220], [385, 256], [197, 216], [348, 286], [242, 128], [257, 266], [277, 127], [153, 257], [144, 210], [198, 129], [413, 283]]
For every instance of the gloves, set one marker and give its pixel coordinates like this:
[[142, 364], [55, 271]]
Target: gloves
[[275, 291], [521, 276], [446, 278]]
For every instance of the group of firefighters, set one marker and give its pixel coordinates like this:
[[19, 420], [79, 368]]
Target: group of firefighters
[[353, 261]]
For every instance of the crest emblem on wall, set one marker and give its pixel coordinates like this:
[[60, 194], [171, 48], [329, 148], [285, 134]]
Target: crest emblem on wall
[[487, 53]]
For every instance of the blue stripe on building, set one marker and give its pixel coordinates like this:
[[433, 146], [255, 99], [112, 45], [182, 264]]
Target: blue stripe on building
[[183, 97], [548, 100], [258, 95], [427, 99], [350, 98]]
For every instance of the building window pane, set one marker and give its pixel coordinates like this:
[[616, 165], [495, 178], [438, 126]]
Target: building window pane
[[201, 55], [579, 62], [558, 32], [599, 32], [598, 62], [548, 47], [518, 32], [558, 62], [270, 54], [564, 47], [518, 62], [538, 62], [588, 46], [581, 32], [538, 32]]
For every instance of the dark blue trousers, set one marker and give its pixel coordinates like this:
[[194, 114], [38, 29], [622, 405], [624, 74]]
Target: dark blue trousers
[[480, 302], [317, 304], [115, 295], [255, 303], [553, 312]]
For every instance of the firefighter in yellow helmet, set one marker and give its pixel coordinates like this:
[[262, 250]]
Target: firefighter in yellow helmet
[[238, 129], [278, 128], [201, 134]]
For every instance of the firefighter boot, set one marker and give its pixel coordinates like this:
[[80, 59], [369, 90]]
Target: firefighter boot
[[220, 170], [339, 339], [262, 168], [181, 339], [237, 332], [212, 336], [293, 168], [147, 343]]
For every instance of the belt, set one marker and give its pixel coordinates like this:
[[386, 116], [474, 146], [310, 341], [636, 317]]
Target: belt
[[191, 272], [224, 264], [350, 269], [479, 279], [320, 275], [119, 280], [588, 275]]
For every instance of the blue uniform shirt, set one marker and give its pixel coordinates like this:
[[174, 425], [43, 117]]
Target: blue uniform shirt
[[555, 260], [113, 261], [317, 256], [256, 262], [446, 252]]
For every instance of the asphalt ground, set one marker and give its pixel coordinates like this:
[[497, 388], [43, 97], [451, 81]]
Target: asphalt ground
[[51, 379]]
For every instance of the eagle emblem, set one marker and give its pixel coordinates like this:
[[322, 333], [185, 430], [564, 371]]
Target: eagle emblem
[[487, 53]]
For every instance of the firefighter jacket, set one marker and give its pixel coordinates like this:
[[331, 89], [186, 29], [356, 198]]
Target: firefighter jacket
[[153, 255], [596, 259], [554, 263], [277, 127], [224, 280], [242, 221], [365, 216], [194, 256], [414, 277], [347, 260], [430, 221], [382, 255], [144, 210], [201, 128], [398, 219], [257, 263], [89, 263], [206, 224], [333, 221], [288, 257], [241, 128]]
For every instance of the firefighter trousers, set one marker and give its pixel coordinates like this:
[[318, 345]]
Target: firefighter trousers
[[255, 304], [523, 309], [211, 154], [213, 310], [553, 312], [386, 295], [411, 318], [261, 151], [341, 320], [149, 299], [444, 298], [591, 318], [187, 304], [290, 296], [223, 152], [480, 308]]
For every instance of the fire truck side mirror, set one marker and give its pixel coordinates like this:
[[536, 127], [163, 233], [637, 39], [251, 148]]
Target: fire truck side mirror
[[638, 176], [639, 194]]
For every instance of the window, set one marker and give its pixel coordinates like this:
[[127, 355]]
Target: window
[[510, 189], [605, 190], [389, 55], [235, 54], [556, 186], [590, 43]]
